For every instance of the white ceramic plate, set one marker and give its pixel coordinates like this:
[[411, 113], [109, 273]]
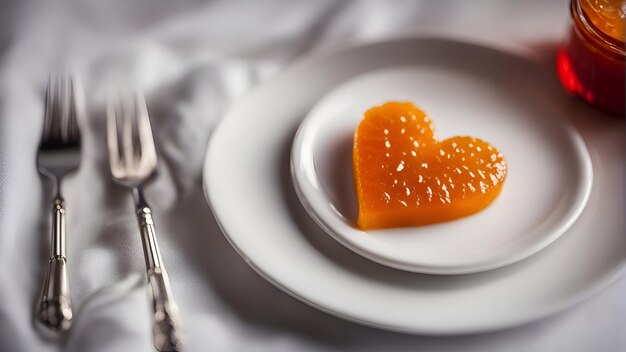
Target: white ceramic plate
[[249, 186], [547, 186]]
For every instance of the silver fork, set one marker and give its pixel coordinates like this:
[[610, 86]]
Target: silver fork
[[59, 155], [133, 161]]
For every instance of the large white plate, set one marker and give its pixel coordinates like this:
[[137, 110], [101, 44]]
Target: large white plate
[[248, 184], [547, 185]]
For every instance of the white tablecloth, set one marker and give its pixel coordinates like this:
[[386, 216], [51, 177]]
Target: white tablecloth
[[193, 59]]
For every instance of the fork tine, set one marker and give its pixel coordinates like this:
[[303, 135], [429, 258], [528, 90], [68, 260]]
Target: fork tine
[[146, 140], [47, 117], [53, 115], [128, 150], [64, 96], [58, 113], [76, 111], [60, 116], [54, 92], [73, 101], [63, 108], [131, 144], [112, 142]]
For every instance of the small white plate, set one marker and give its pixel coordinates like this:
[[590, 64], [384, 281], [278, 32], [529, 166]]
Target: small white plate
[[547, 186], [249, 187]]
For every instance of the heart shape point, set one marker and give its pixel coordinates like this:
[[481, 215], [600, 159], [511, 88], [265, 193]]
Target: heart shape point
[[403, 176]]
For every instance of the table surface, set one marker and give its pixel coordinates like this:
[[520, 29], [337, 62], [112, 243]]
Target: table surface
[[194, 59]]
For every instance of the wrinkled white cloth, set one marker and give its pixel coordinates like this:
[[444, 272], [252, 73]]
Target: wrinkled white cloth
[[193, 59]]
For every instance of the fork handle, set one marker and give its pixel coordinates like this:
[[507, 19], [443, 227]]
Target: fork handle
[[167, 335], [55, 306]]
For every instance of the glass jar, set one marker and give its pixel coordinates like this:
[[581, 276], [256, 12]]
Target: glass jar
[[590, 63]]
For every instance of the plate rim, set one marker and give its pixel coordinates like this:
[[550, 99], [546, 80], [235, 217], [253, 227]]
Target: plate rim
[[583, 295]]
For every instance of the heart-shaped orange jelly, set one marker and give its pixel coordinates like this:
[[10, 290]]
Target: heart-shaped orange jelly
[[404, 177]]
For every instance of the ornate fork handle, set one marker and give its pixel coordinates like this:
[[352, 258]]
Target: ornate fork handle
[[55, 306], [166, 318]]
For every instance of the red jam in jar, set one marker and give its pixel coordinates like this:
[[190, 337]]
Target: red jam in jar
[[590, 64]]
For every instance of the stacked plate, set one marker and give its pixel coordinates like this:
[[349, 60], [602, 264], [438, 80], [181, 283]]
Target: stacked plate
[[278, 176]]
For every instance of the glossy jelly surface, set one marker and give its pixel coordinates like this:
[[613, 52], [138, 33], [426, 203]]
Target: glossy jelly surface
[[608, 16], [404, 177]]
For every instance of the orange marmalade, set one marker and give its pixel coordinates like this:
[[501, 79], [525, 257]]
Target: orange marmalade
[[403, 176], [590, 64]]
